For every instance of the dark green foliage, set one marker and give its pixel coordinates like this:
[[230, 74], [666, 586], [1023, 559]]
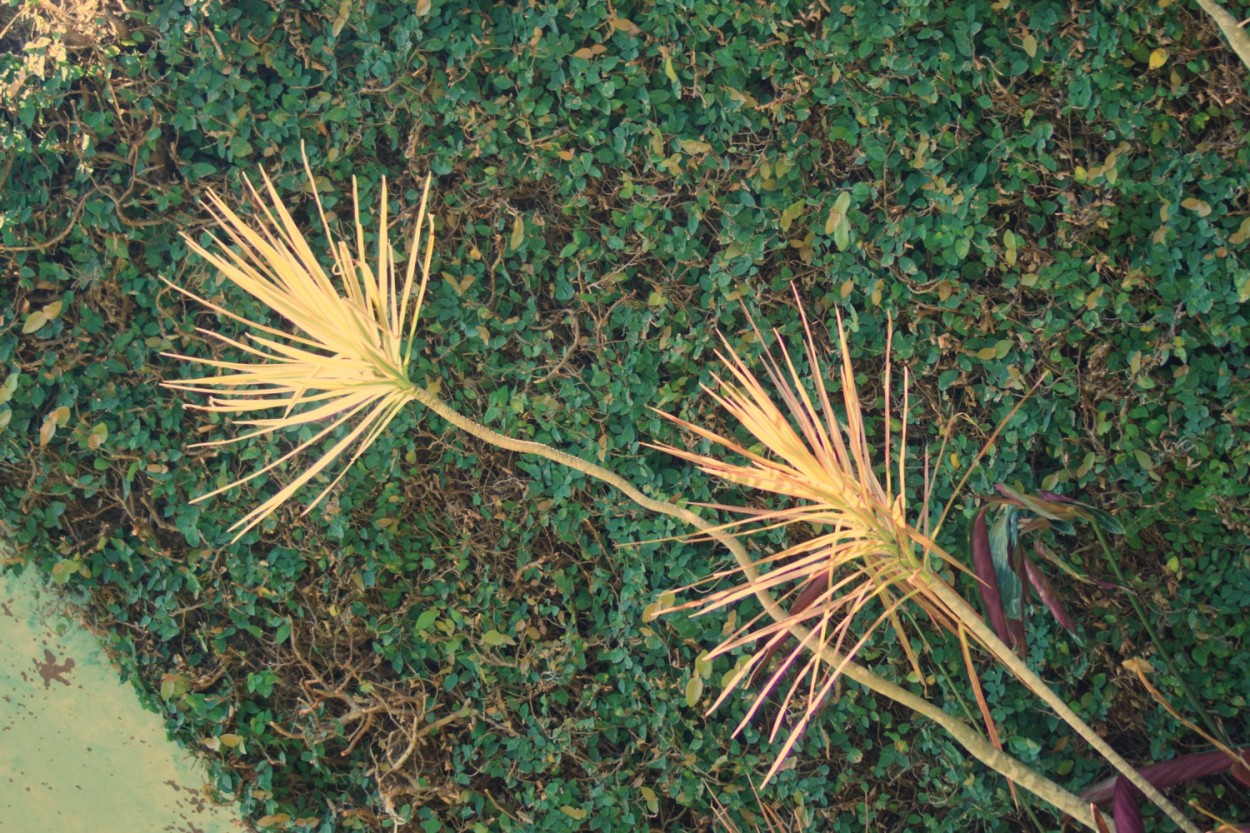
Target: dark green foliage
[[1018, 187]]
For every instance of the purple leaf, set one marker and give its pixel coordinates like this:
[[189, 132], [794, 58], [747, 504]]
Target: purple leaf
[[983, 564], [1125, 807], [1046, 591], [1170, 773], [805, 599]]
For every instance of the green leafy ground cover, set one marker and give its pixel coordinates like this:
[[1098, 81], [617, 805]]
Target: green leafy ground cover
[[1022, 187]]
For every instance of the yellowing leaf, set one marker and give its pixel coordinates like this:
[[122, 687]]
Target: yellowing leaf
[[1242, 234], [791, 214], [174, 685], [694, 147], [1009, 242], [625, 25], [99, 433], [494, 639], [272, 820], [1158, 58], [1200, 207], [61, 415], [423, 7], [53, 310], [831, 222], [573, 812], [48, 430], [518, 232], [340, 20], [694, 690], [653, 800], [230, 741], [668, 66], [34, 321], [64, 569], [1030, 46], [585, 53], [987, 353]]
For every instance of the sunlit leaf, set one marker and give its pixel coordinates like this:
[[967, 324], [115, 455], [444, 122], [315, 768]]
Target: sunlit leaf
[[342, 367]]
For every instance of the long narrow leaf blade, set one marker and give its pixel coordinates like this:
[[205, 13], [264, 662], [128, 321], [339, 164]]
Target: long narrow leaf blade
[[983, 565], [1047, 593]]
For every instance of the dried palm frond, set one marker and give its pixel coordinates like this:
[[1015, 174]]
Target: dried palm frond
[[868, 561], [343, 361]]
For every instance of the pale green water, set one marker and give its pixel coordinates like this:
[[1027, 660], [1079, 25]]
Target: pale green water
[[78, 753]]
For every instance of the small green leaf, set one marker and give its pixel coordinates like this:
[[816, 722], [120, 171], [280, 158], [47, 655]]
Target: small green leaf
[[425, 620]]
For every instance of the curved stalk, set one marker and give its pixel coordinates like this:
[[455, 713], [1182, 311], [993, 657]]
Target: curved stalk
[[1020, 669], [963, 734]]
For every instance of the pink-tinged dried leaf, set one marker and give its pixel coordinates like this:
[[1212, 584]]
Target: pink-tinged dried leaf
[[983, 565], [1054, 497], [1170, 773], [1046, 592], [1126, 807]]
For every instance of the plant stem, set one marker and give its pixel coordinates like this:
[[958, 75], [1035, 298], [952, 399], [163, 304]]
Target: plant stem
[[1194, 702], [967, 737], [1018, 667]]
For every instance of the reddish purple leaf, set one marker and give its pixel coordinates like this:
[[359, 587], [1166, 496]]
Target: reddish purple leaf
[[983, 565], [1170, 773], [1242, 771], [1046, 592], [1126, 807], [1056, 498], [1018, 640], [809, 595], [1099, 821]]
